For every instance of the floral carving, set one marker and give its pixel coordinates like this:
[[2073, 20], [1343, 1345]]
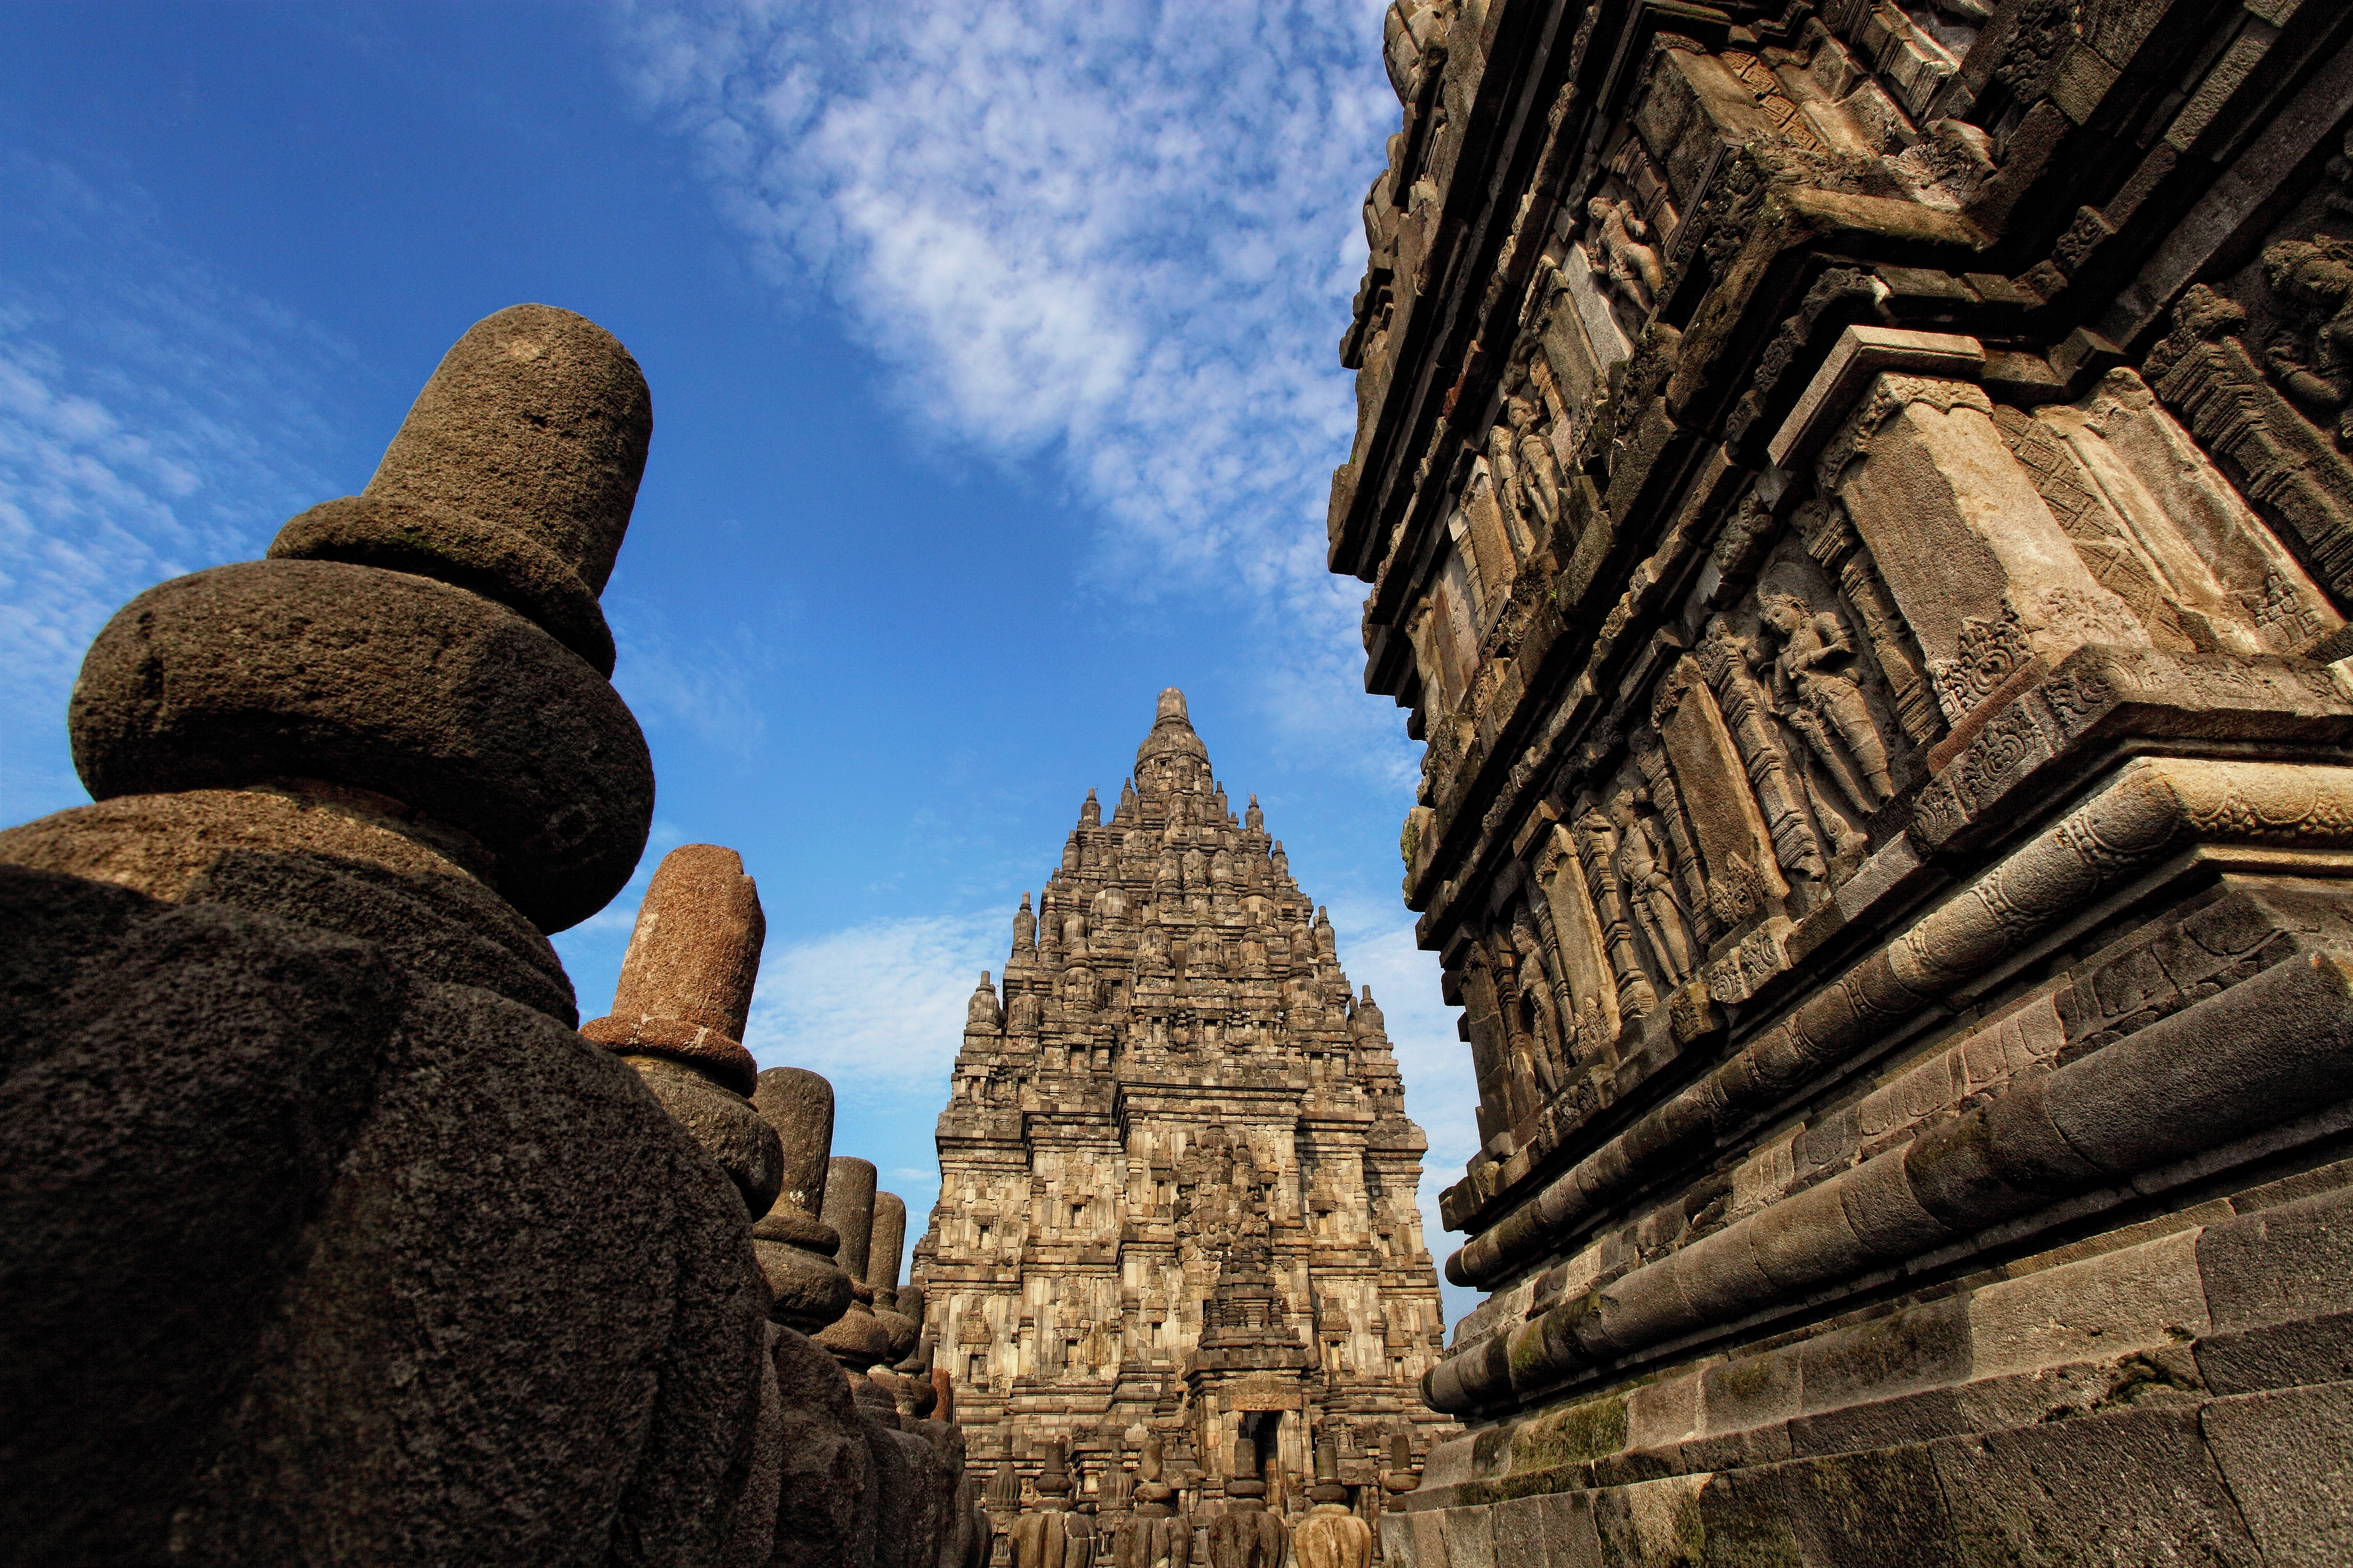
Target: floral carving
[[1988, 651]]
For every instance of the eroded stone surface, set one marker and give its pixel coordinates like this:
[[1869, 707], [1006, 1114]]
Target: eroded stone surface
[[328, 1233]]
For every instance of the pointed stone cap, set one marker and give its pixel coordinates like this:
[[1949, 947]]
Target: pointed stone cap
[[685, 991], [982, 1011], [1091, 812], [514, 475], [1172, 731]]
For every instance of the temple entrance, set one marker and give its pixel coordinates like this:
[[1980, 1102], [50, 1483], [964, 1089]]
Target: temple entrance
[[1262, 1429]]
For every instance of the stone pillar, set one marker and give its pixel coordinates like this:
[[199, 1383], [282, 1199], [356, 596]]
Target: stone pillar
[[794, 1248], [856, 1339], [680, 1008]]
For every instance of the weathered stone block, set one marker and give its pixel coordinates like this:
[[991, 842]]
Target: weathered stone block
[[2138, 1487], [2287, 1455], [2279, 1286]]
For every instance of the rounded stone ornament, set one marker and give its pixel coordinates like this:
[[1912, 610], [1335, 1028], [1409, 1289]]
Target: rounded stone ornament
[[515, 570], [322, 858], [723, 1124], [806, 1291], [449, 703]]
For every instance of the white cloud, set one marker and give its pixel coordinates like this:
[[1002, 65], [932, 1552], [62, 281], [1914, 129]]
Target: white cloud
[[702, 686], [147, 416], [1120, 237], [878, 1008]]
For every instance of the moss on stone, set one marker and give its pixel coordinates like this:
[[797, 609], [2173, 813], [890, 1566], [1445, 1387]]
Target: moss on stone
[[1580, 1432]]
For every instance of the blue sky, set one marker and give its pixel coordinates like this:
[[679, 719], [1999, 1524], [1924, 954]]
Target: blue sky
[[992, 356]]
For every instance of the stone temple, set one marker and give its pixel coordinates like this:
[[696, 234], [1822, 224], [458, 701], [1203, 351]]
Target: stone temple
[[1177, 1186], [1855, 497]]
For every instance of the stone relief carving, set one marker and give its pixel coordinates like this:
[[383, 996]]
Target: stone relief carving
[[1831, 540], [1811, 652], [2160, 529], [1727, 662], [1598, 847], [1526, 472], [1989, 652], [1618, 250], [2310, 351], [1649, 891], [1659, 780]]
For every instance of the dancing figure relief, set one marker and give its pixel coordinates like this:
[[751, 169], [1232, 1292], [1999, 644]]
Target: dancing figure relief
[[1641, 866], [1804, 656], [1617, 249]]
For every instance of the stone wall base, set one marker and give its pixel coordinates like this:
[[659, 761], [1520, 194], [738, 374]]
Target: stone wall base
[[2178, 1391]]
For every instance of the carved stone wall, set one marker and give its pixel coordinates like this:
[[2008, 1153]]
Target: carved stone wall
[[1178, 1188], [1855, 500]]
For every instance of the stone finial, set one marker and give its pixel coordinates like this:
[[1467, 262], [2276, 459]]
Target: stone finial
[[888, 1239], [1243, 1480], [1245, 1535], [685, 991], [1172, 737], [942, 1395], [1401, 1476], [440, 702], [982, 1013], [1054, 1475], [514, 475], [1025, 929], [1152, 1493], [920, 1365], [798, 1104], [1091, 812], [1327, 1487], [794, 1248], [849, 1184], [857, 1339], [1331, 1536]]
